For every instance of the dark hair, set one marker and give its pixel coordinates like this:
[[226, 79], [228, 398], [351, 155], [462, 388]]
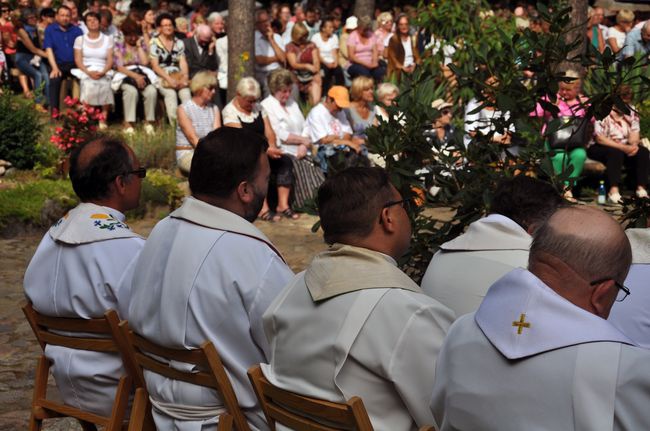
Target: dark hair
[[91, 15], [47, 12], [105, 13], [163, 16], [63, 7], [525, 200], [25, 13], [328, 18], [224, 158], [350, 201], [130, 27], [92, 175]]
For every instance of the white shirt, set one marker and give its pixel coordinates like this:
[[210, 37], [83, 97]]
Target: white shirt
[[84, 279], [326, 48], [321, 123], [491, 247], [231, 114], [195, 283], [222, 55], [285, 120], [567, 370], [408, 52], [376, 343], [264, 48], [614, 33]]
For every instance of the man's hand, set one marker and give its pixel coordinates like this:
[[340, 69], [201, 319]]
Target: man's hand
[[302, 151], [268, 33], [274, 152]]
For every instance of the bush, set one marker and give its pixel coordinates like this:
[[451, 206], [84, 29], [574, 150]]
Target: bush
[[20, 129], [157, 151], [24, 203]]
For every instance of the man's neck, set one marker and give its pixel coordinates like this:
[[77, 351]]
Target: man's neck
[[226, 204]]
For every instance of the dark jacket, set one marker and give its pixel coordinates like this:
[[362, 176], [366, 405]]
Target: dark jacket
[[197, 62]]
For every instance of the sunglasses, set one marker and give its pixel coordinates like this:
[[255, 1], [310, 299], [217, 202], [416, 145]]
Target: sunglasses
[[141, 172]]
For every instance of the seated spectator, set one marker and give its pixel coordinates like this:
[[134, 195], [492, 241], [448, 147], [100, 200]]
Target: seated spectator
[[196, 118], [572, 109], [148, 24], [632, 317], [93, 54], [303, 61], [540, 345], [361, 113], [80, 267], [167, 54], [218, 27], [312, 20], [362, 52], [243, 111], [200, 50], [106, 26], [132, 61], [483, 121], [215, 275], [328, 52], [269, 48], [637, 41], [402, 51], [387, 92], [59, 45], [594, 32], [354, 300], [491, 246], [618, 142], [616, 34], [329, 128], [383, 33], [351, 25], [30, 58]]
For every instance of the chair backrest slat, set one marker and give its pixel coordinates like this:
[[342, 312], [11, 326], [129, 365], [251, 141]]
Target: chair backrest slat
[[304, 413], [195, 357], [92, 326], [81, 343], [197, 378]]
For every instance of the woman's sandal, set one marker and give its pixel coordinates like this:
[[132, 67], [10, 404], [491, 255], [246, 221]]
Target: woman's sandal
[[290, 214], [269, 216]]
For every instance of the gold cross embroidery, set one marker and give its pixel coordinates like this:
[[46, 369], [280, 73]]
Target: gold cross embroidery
[[521, 324]]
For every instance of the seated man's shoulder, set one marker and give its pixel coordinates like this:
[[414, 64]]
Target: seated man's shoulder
[[405, 304]]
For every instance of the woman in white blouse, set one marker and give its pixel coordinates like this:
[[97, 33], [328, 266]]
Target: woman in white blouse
[[93, 56], [616, 34]]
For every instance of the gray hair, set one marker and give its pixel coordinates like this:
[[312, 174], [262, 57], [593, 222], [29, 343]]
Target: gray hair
[[386, 88], [594, 251], [213, 17], [248, 87]]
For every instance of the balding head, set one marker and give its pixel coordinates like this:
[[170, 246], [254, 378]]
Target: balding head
[[577, 246], [203, 33]]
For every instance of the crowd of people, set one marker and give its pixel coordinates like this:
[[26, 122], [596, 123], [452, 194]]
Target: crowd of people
[[535, 317]]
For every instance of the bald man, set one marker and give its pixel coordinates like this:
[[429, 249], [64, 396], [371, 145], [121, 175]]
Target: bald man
[[200, 51], [539, 352], [80, 265]]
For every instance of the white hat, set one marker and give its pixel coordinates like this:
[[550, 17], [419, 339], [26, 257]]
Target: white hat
[[440, 104], [351, 23]]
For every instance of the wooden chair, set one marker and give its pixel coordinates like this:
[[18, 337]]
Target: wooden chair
[[427, 428], [43, 327], [140, 351], [303, 413]]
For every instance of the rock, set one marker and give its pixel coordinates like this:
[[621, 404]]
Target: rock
[[52, 210], [10, 172], [2, 170]]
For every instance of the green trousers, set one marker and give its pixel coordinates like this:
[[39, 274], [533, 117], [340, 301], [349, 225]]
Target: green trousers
[[575, 158]]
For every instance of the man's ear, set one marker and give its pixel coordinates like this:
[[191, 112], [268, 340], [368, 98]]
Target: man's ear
[[245, 192], [119, 185], [601, 298], [387, 221]]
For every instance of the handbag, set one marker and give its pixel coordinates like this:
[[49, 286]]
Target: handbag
[[131, 81], [176, 76], [574, 133]]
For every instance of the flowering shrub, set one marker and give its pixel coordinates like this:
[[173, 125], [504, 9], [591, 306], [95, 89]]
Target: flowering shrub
[[79, 123]]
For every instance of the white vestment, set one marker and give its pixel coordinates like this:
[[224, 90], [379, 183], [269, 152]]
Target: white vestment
[[632, 316], [528, 359], [460, 273], [353, 324], [206, 274], [77, 271]]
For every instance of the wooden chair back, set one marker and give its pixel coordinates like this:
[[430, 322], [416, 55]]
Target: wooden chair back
[[74, 334], [303, 413], [144, 353], [427, 428]]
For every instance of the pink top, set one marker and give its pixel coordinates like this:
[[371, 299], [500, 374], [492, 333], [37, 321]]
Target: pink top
[[566, 110], [620, 129], [362, 52]]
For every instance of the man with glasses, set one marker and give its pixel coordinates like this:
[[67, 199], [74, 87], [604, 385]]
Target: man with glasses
[[80, 265], [353, 324], [637, 41], [539, 352]]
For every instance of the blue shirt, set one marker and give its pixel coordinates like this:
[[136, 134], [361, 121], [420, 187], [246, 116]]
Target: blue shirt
[[61, 41], [634, 44]]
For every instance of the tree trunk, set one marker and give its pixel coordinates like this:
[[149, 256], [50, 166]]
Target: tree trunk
[[579, 24], [241, 45], [364, 7]]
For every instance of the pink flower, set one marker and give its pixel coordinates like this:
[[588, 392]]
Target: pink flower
[[83, 119], [58, 129]]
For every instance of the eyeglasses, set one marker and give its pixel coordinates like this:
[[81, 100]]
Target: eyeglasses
[[623, 291], [445, 112], [406, 204], [141, 172]]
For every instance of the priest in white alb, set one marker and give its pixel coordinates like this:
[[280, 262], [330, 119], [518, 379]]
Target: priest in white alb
[[353, 324], [206, 273], [461, 272], [539, 353], [79, 267]]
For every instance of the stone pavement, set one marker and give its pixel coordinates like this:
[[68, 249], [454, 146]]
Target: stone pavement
[[19, 350]]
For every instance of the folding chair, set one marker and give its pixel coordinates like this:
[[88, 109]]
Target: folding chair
[[50, 330], [303, 413], [144, 354]]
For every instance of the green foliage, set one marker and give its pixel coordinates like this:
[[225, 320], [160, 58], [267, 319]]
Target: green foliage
[[156, 150], [20, 129], [24, 203], [159, 188]]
